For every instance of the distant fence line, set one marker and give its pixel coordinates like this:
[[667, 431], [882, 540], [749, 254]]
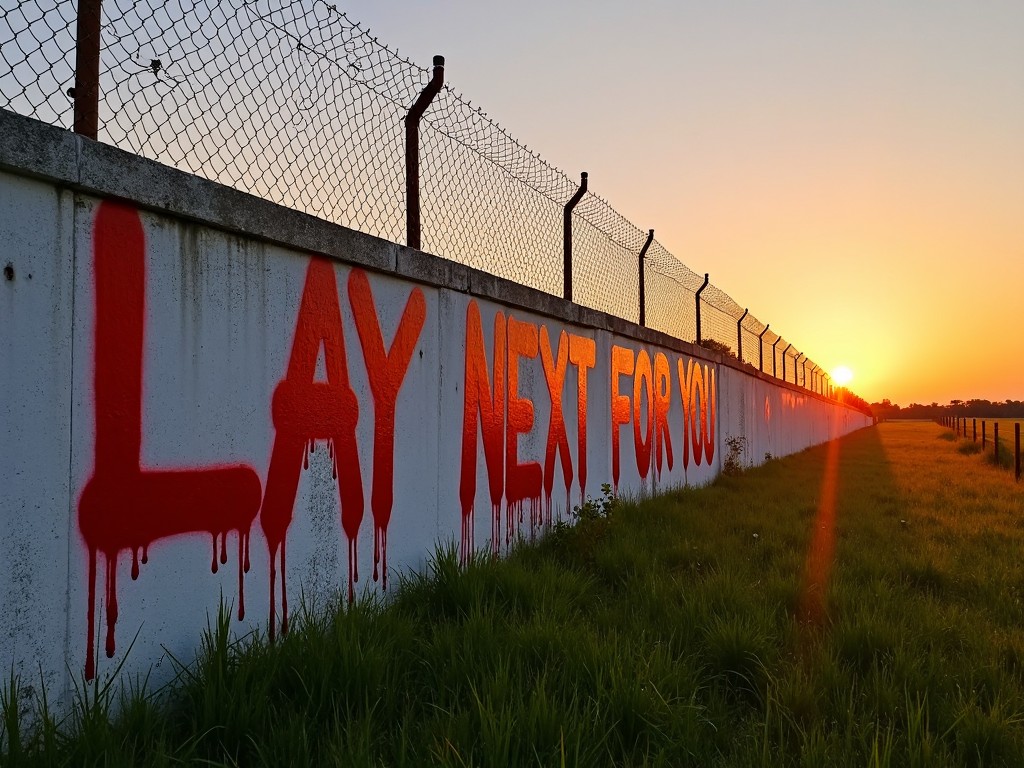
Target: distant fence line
[[296, 103], [1001, 454]]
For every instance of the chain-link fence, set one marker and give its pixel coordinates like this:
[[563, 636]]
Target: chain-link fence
[[296, 103]]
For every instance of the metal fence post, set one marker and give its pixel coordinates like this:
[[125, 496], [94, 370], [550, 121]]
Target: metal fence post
[[86, 91], [739, 335], [699, 292], [784, 360], [760, 347], [412, 153], [796, 369], [567, 237], [777, 340], [643, 296]]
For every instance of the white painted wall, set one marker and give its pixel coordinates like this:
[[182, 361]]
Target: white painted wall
[[219, 325]]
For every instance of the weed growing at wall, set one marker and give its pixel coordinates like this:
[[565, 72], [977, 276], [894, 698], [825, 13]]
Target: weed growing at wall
[[736, 446]]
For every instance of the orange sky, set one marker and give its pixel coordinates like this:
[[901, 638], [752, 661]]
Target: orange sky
[[854, 173]]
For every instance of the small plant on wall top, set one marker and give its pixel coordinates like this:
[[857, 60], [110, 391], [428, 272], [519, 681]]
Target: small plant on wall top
[[716, 346], [737, 445]]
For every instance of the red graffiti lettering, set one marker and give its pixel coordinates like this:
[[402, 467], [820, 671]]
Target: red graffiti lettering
[[622, 365], [305, 410], [709, 414], [555, 366], [123, 506], [386, 371], [662, 402], [686, 399], [698, 410], [642, 392], [489, 406], [522, 480], [582, 354]]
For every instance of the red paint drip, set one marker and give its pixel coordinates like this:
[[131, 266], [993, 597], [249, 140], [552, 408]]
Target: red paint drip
[[125, 506], [495, 529], [483, 412], [305, 409], [468, 535], [386, 371]]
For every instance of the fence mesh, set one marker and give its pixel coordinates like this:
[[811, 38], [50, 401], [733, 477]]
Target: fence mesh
[[297, 103]]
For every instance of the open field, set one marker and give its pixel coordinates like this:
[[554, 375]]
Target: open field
[[856, 604]]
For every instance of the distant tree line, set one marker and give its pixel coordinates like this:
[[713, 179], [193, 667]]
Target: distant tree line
[[981, 409]]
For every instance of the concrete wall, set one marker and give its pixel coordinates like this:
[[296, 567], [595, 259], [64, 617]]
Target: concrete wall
[[208, 396]]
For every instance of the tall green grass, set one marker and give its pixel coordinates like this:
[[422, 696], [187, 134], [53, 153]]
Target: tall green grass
[[667, 633]]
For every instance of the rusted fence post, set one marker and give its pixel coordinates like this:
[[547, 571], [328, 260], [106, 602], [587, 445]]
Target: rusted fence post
[[86, 91], [643, 295], [697, 299], [760, 347], [567, 237], [412, 153], [739, 335]]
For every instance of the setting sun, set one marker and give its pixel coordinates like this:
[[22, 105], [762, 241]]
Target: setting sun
[[842, 375]]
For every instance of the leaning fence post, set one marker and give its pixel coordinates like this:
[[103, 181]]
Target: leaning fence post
[[760, 347], [643, 296], [1016, 451], [699, 292], [739, 335], [86, 91], [567, 237], [412, 153], [777, 340]]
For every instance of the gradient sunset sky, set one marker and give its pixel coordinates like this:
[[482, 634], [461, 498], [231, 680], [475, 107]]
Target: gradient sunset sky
[[852, 172]]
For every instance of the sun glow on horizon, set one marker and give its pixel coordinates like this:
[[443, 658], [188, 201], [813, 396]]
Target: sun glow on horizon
[[842, 375]]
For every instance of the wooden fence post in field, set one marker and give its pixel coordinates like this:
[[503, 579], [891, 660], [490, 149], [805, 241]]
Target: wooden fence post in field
[[1016, 451], [984, 437], [974, 429], [995, 442]]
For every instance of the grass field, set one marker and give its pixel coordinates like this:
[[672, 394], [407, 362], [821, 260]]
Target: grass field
[[859, 604]]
